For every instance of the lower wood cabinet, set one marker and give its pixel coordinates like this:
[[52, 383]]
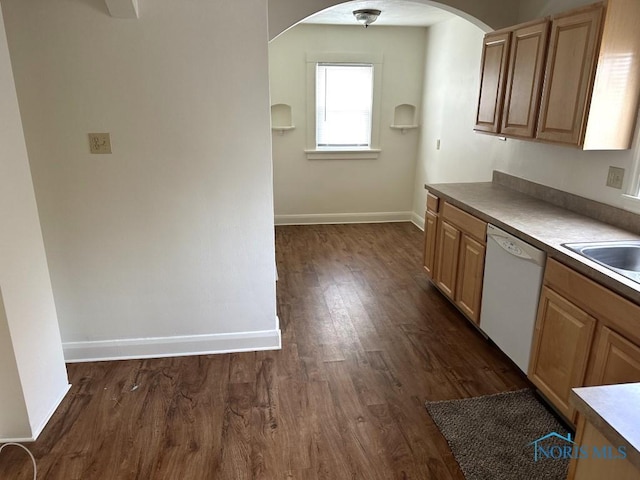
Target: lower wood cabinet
[[590, 468], [468, 294], [585, 335], [459, 258], [562, 339], [615, 359], [430, 239], [447, 258]]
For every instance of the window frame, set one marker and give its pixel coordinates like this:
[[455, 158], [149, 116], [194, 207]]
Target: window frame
[[328, 153], [370, 68], [631, 199]]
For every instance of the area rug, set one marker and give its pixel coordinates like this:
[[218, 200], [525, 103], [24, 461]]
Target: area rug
[[508, 436]]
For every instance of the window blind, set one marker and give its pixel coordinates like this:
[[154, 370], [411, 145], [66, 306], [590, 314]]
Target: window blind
[[344, 98]]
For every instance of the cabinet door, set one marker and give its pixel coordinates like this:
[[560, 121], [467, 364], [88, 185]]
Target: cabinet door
[[430, 238], [569, 76], [524, 80], [447, 263], [495, 54], [615, 360], [593, 468], [468, 292], [561, 344]]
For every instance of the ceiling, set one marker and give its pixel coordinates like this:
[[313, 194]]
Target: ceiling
[[394, 13]]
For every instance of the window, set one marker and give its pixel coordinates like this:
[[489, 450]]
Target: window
[[344, 106], [631, 200]]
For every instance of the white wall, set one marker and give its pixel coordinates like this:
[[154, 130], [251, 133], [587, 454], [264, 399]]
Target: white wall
[[575, 171], [32, 370], [531, 9], [171, 236], [303, 188], [14, 418], [449, 106], [453, 62]]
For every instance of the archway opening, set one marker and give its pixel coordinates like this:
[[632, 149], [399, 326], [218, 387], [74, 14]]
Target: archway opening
[[411, 47]]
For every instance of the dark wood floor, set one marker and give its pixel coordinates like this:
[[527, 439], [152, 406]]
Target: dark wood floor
[[366, 340]]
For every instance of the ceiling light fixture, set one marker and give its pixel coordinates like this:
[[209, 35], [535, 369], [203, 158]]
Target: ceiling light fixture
[[366, 16]]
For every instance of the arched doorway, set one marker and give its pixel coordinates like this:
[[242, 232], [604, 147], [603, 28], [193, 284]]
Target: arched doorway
[[487, 15], [312, 188]]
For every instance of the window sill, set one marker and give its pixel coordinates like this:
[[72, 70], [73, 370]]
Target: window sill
[[360, 154], [631, 203]]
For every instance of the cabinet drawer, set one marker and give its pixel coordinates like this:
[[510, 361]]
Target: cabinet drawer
[[612, 310], [468, 223], [433, 203]]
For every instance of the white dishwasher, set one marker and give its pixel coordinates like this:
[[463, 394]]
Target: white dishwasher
[[510, 293]]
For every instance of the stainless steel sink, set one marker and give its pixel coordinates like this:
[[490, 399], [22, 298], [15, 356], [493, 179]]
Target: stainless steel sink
[[622, 257]]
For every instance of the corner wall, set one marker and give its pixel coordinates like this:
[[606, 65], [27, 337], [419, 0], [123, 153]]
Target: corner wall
[[166, 246], [565, 168], [33, 378], [450, 100], [449, 106]]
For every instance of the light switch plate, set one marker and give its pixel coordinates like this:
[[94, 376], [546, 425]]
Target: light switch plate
[[615, 177], [100, 143]]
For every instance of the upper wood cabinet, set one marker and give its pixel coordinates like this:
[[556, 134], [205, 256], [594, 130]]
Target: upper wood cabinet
[[572, 56], [590, 63], [524, 79], [495, 54]]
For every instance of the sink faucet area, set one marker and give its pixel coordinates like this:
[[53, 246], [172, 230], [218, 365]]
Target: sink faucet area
[[622, 256]]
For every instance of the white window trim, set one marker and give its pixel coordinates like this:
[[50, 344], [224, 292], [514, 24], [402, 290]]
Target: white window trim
[[313, 153], [359, 154], [631, 199], [631, 203]]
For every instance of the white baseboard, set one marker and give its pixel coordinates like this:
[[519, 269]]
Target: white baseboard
[[340, 218], [417, 220], [157, 347], [35, 432], [17, 440]]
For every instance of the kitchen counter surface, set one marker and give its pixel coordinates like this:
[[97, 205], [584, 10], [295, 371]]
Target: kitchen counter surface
[[543, 225], [613, 410]]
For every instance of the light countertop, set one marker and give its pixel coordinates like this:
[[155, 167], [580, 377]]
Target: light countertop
[[615, 411], [543, 225]]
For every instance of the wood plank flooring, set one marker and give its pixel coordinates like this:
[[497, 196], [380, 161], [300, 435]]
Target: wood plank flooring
[[366, 340]]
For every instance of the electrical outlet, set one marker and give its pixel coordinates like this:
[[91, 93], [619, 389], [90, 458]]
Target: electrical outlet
[[100, 143], [615, 177]]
